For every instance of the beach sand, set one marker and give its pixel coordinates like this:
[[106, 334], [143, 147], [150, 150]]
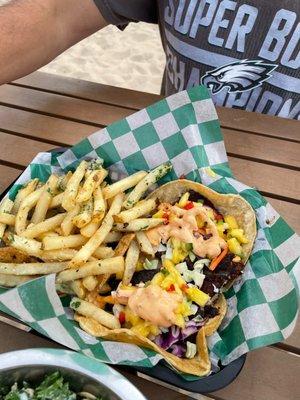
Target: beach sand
[[132, 58]]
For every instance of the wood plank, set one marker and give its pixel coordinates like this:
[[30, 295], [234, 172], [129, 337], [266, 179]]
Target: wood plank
[[268, 374], [68, 107], [259, 123], [88, 90], [43, 127], [240, 143], [294, 339], [263, 148], [291, 213], [20, 151], [7, 176], [230, 118], [267, 178]]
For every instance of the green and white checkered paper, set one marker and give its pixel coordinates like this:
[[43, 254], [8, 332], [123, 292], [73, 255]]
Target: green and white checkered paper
[[262, 305]]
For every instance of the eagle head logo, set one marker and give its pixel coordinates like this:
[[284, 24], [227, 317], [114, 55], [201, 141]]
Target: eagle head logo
[[238, 76]]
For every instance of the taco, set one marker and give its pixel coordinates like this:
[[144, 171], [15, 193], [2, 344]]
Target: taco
[[174, 298]]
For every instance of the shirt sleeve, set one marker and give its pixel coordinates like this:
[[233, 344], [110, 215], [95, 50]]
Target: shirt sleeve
[[120, 12]]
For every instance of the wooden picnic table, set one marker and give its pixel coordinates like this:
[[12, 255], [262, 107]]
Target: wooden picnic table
[[44, 111]]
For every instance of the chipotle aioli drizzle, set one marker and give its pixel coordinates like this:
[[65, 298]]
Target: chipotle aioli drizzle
[[184, 227], [151, 303]]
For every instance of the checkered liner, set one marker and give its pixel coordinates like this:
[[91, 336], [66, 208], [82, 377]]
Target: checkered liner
[[262, 305]]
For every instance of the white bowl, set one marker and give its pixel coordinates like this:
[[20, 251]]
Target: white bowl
[[83, 373]]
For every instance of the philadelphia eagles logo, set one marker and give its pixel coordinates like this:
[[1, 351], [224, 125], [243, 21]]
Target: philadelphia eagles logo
[[239, 76]]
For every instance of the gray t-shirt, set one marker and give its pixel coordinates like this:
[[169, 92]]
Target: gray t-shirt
[[247, 52]]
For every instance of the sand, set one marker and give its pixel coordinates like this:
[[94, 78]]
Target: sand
[[131, 59]]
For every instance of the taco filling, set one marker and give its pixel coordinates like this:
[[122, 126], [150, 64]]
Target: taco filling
[[171, 295]]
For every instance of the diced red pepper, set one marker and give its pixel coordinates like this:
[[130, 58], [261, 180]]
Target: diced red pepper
[[122, 318], [189, 205], [182, 176], [218, 217], [171, 288]]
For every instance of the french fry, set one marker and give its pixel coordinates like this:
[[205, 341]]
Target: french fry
[[142, 208], [144, 243], [26, 205], [90, 229], [28, 246], [72, 187], [140, 224], [99, 205], [63, 181], [44, 201], [104, 252], [122, 185], [92, 181], [14, 280], [113, 265], [23, 193], [63, 242], [7, 219], [78, 288], [67, 224], [131, 260], [102, 281], [85, 214], [90, 310], [96, 240], [56, 200], [90, 282], [57, 255], [12, 255], [32, 268], [47, 225], [47, 234], [124, 244], [141, 188], [112, 237], [5, 207]]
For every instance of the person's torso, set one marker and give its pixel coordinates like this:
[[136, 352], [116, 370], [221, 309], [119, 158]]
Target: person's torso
[[247, 52]]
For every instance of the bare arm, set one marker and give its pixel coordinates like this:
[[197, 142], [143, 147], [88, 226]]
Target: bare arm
[[33, 32]]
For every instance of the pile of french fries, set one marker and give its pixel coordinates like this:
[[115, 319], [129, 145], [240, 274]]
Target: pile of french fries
[[67, 225]]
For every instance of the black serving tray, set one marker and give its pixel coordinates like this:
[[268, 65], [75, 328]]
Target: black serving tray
[[164, 375]]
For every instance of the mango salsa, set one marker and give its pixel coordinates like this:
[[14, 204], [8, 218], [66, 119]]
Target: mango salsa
[[200, 221], [231, 221], [234, 246], [221, 229], [157, 279], [184, 199], [131, 317], [197, 296], [142, 329], [158, 214], [239, 235]]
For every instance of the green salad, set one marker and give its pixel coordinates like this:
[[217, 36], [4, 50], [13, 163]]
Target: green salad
[[53, 387]]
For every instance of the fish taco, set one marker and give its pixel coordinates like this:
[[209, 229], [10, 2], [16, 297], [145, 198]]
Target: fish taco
[[170, 297]]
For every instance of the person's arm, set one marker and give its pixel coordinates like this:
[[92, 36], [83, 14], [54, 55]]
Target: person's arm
[[34, 32]]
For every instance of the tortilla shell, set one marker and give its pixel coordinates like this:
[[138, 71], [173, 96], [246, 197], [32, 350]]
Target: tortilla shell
[[226, 204], [199, 365]]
